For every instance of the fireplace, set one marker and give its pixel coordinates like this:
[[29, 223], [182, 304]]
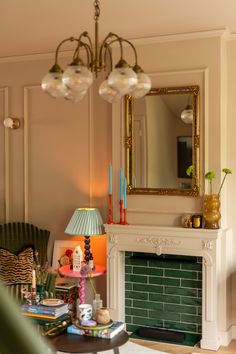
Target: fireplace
[[211, 245]]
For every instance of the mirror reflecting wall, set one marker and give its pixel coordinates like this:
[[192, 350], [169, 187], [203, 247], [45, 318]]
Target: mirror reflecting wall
[[162, 140]]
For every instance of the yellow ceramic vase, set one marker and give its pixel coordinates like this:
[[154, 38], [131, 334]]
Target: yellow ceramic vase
[[211, 211]]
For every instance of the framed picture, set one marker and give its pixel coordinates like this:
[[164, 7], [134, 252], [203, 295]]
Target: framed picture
[[59, 249], [184, 155]]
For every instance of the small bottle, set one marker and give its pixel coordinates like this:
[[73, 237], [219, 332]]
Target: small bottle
[[77, 258], [97, 303], [91, 262]]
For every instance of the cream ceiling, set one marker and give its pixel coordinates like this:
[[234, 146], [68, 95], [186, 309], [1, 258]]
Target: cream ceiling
[[36, 26]]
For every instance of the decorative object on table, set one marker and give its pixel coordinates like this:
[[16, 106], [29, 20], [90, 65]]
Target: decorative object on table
[[107, 332], [73, 84], [197, 221], [43, 311], [66, 258], [110, 219], [211, 202], [102, 316], [91, 262], [84, 312], [61, 250], [124, 222], [77, 259], [121, 196], [43, 278], [86, 222], [97, 303], [69, 294], [52, 328], [186, 220]]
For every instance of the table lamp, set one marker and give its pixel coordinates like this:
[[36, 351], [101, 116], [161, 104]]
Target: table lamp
[[86, 222]]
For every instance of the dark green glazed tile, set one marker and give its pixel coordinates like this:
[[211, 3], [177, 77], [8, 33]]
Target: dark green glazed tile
[[128, 269], [148, 305], [191, 319], [128, 254], [180, 309], [128, 303], [164, 315], [137, 262], [199, 293], [128, 286], [136, 295], [148, 288], [137, 312], [191, 266], [164, 264], [191, 301], [164, 281], [181, 326], [180, 274], [191, 283], [131, 327], [181, 291], [147, 321], [136, 278], [199, 311], [199, 276], [148, 271], [128, 319], [165, 298]]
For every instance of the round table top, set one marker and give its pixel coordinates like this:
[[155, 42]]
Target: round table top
[[67, 272], [74, 343]]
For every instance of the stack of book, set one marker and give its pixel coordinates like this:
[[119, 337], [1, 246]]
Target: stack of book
[[44, 312], [106, 333]]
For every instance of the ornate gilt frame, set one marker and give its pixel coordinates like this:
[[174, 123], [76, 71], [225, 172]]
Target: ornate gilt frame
[[129, 143]]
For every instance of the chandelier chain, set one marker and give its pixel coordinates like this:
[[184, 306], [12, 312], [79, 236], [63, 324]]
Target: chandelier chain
[[97, 9]]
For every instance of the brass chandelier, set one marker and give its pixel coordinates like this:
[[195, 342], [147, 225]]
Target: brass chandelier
[[73, 83]]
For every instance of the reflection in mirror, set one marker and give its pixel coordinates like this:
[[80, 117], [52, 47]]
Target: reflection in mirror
[[162, 141]]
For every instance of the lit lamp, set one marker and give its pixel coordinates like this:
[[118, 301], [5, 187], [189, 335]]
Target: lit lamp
[[187, 115], [74, 82], [86, 222]]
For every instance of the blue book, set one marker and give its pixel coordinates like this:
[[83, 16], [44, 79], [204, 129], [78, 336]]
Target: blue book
[[45, 310]]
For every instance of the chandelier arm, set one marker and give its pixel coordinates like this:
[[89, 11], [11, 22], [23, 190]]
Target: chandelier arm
[[105, 44], [108, 50], [88, 50], [133, 47], [71, 39]]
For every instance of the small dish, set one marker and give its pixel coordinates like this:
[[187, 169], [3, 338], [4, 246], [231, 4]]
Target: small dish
[[51, 302]]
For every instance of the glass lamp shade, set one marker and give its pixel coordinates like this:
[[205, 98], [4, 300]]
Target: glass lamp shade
[[77, 78], [75, 96], [122, 79], [142, 87], [187, 115], [53, 85], [85, 222], [108, 93]]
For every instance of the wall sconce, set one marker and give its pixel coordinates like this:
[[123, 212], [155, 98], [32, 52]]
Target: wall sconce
[[12, 123]]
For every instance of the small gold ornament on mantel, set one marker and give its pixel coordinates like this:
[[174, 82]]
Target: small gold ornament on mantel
[[186, 220], [211, 202]]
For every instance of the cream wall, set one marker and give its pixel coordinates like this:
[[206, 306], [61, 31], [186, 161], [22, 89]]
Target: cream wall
[[58, 158]]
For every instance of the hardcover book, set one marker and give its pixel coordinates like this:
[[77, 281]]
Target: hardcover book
[[45, 311], [106, 333]]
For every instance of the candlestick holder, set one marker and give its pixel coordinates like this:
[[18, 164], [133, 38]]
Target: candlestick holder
[[124, 222], [110, 220], [121, 211]]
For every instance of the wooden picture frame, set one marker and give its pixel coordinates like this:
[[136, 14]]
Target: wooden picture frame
[[59, 248]]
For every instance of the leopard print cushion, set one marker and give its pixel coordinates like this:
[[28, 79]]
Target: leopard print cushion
[[15, 269]]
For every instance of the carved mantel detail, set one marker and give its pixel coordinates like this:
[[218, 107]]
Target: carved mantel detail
[[207, 244], [158, 242]]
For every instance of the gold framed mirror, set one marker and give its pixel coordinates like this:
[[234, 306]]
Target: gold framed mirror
[[162, 140]]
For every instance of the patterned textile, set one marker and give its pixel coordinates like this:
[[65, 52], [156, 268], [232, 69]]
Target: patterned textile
[[15, 269]]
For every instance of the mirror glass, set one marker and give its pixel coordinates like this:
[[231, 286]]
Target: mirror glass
[[162, 141]]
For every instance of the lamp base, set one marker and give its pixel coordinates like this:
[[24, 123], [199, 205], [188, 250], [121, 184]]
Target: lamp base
[[86, 249]]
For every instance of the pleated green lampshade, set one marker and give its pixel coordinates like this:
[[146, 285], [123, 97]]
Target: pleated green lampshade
[[85, 222]]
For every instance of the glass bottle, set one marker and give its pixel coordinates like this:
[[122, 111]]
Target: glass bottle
[[97, 303]]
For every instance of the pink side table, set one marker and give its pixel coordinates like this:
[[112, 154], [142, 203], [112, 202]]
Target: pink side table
[[81, 279]]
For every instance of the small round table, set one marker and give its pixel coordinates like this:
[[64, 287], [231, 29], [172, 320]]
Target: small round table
[[70, 273], [73, 343]]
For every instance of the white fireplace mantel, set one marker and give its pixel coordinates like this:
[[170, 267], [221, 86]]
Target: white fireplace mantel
[[212, 245]]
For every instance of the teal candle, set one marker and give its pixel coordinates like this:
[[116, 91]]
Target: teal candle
[[110, 179], [135, 182], [121, 184], [125, 187]]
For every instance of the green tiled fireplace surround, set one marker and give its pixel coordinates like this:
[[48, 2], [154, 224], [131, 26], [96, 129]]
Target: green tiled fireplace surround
[[163, 291]]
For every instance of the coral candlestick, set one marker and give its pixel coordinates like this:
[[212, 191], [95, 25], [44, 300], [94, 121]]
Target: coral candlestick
[[125, 220], [82, 290], [110, 220], [121, 211]]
